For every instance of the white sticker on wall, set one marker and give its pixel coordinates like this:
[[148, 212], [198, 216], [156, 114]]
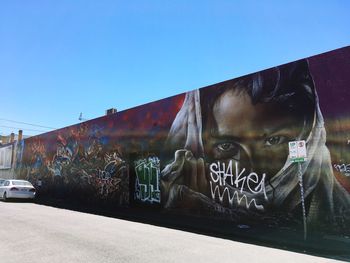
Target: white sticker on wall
[[297, 151]]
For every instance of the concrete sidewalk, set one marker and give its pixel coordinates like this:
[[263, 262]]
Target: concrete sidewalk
[[36, 233]]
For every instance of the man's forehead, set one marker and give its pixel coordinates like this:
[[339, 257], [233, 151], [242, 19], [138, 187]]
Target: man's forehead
[[235, 116]]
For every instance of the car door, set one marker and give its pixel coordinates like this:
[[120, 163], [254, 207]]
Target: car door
[[2, 186], [6, 184]]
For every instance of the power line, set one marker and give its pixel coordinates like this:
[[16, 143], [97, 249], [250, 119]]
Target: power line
[[26, 123], [17, 128]]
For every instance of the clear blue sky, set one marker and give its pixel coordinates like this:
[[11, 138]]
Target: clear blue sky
[[60, 58]]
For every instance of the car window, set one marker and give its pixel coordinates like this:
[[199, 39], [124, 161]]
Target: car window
[[24, 183], [7, 183]]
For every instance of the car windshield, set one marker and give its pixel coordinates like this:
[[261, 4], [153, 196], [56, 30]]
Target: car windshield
[[24, 183]]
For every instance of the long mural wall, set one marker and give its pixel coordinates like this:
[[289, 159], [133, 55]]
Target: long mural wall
[[220, 152]]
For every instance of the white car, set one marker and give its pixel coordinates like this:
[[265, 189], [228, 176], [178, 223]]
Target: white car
[[17, 189]]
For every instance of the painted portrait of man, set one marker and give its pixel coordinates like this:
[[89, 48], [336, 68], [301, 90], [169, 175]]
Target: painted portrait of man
[[231, 150]]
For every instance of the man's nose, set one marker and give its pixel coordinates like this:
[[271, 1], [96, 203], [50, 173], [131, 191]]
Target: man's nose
[[247, 157]]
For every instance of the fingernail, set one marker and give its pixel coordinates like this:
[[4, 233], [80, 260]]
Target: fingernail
[[188, 155]]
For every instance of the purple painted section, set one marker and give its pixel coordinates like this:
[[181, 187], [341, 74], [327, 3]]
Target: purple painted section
[[331, 73]]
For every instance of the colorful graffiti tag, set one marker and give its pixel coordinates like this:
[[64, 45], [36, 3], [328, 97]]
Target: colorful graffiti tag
[[147, 188]]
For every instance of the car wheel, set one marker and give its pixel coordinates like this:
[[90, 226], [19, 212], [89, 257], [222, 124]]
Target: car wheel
[[4, 197]]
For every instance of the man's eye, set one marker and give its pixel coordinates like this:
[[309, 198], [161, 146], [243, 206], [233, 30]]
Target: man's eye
[[224, 150], [227, 147], [275, 140], [227, 150]]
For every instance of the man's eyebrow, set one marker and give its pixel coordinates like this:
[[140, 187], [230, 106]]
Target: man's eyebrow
[[288, 126], [225, 137], [264, 134]]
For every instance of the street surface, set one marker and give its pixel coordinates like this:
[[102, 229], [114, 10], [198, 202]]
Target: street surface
[[36, 233]]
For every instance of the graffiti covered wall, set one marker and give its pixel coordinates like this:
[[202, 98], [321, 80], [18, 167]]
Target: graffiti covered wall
[[91, 161], [220, 151]]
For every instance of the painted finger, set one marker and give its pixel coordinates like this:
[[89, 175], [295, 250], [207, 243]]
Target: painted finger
[[191, 171], [201, 176], [173, 170], [187, 171], [193, 178]]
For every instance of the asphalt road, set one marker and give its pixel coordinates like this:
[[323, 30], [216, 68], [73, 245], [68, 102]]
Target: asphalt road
[[36, 233]]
